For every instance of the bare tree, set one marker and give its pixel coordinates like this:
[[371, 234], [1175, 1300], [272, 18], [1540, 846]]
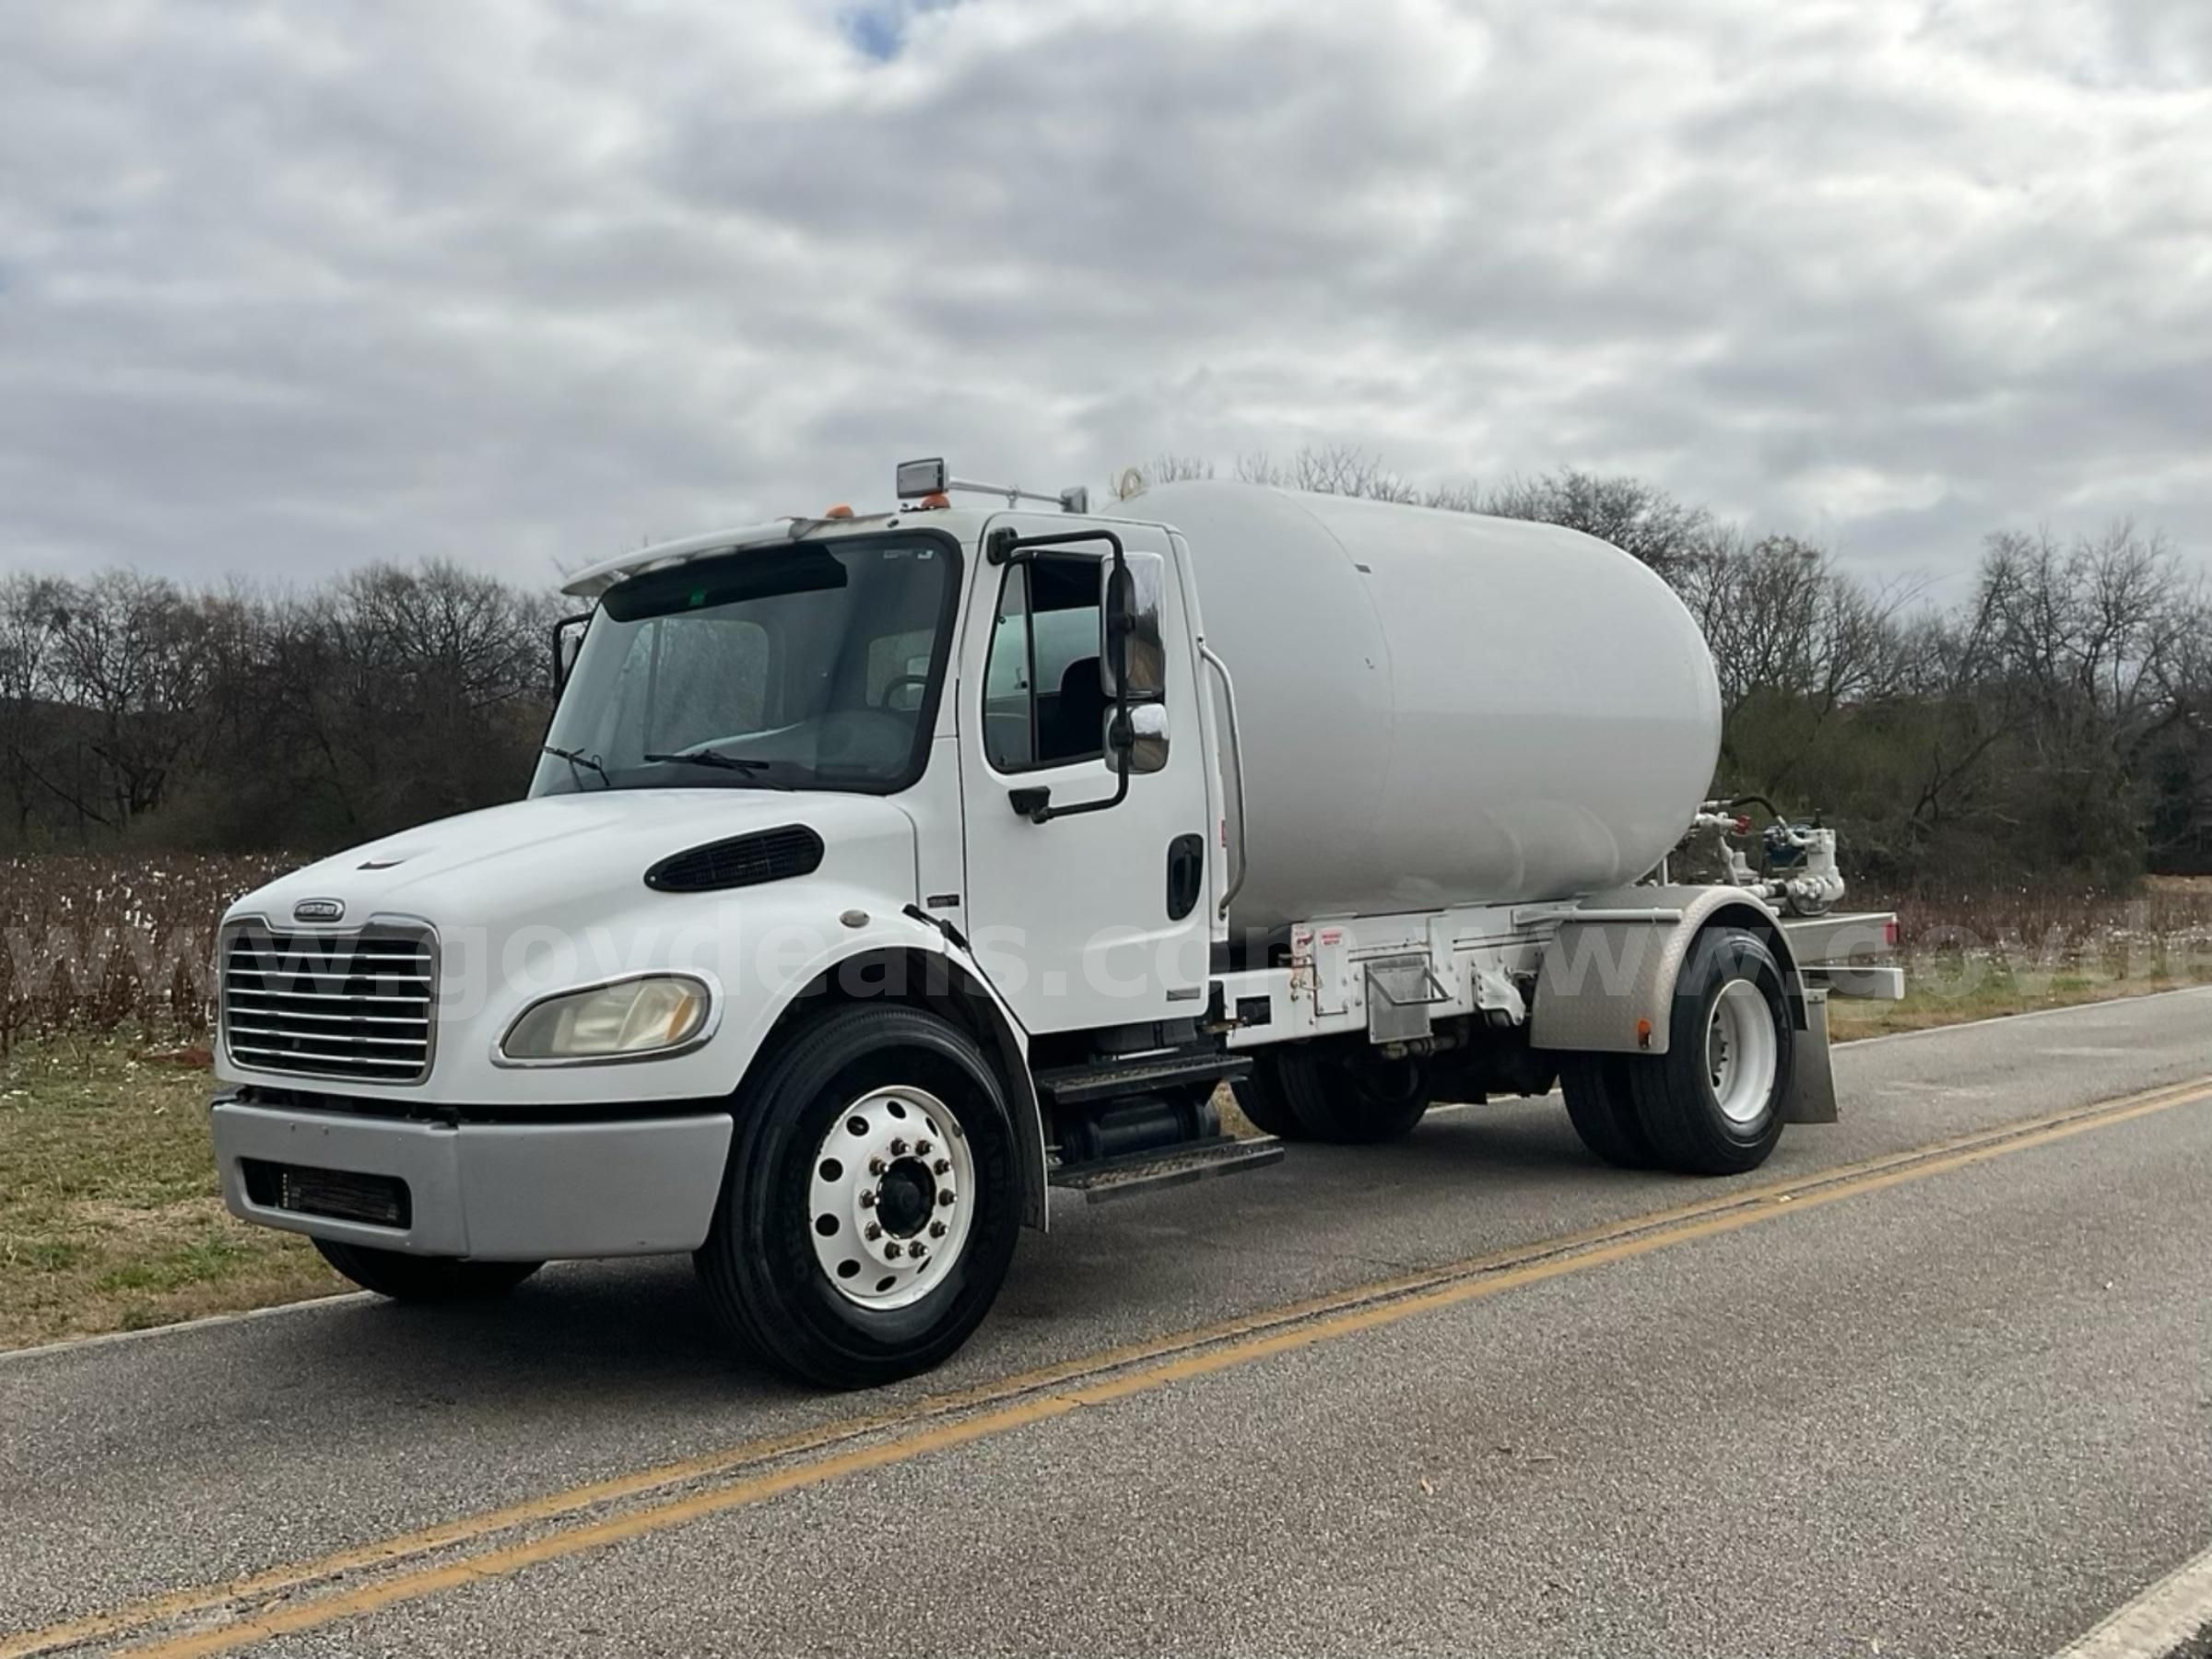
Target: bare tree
[[31, 611], [127, 653], [1339, 469], [1638, 517], [1166, 467]]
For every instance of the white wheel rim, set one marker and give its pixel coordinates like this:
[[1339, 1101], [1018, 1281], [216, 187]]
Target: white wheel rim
[[1741, 1052], [891, 1198]]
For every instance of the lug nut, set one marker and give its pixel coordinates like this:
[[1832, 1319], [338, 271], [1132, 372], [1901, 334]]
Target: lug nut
[[942, 1166], [936, 1230], [944, 1199], [891, 1249], [876, 1166], [867, 1200], [922, 1148], [874, 1231], [898, 1149], [917, 1249]]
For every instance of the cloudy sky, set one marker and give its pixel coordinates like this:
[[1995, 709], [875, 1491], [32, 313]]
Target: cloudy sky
[[286, 288]]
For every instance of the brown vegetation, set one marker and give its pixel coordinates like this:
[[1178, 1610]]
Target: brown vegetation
[[107, 942]]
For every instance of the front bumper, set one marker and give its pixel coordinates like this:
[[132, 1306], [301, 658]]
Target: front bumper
[[495, 1192]]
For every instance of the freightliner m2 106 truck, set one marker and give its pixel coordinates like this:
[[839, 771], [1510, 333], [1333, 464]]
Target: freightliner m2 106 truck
[[883, 877]]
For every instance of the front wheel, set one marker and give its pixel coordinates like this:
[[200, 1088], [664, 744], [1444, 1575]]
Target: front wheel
[[420, 1279], [871, 1202]]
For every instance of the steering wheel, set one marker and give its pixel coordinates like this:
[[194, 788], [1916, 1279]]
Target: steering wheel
[[891, 689]]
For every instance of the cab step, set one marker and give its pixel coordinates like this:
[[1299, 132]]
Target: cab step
[[1104, 1080], [1111, 1178]]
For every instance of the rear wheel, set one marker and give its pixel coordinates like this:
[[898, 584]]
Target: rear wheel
[[1712, 1103], [1349, 1096], [1260, 1098], [420, 1279], [1602, 1109], [872, 1201]]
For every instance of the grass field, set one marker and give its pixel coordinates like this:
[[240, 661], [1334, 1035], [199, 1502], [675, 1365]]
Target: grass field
[[1999, 992], [110, 1214]]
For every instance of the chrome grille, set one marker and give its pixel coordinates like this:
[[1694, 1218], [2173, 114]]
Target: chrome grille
[[350, 1006]]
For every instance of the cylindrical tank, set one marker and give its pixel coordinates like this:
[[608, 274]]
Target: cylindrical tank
[[1441, 707]]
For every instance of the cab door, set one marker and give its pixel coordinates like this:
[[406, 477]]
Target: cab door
[[1095, 915]]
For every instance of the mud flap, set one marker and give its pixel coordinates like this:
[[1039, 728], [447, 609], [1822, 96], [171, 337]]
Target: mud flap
[[1812, 1079]]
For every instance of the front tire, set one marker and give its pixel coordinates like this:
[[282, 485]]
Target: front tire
[[419, 1278], [1712, 1103], [842, 1251]]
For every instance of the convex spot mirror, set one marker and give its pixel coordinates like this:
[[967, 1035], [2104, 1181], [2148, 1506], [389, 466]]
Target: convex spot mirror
[[1130, 646], [1141, 737]]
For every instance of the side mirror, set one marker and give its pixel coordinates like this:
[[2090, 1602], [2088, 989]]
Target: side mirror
[[1139, 744], [1130, 646], [568, 640]]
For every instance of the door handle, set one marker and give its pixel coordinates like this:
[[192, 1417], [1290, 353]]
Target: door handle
[[1186, 875]]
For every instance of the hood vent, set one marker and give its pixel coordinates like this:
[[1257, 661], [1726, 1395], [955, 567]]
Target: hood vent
[[742, 861]]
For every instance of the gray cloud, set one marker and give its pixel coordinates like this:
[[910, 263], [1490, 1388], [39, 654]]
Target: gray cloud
[[286, 288]]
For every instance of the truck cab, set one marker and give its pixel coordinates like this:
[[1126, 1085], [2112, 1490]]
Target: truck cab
[[875, 880]]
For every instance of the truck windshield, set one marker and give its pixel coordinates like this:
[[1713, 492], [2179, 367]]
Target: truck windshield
[[813, 666]]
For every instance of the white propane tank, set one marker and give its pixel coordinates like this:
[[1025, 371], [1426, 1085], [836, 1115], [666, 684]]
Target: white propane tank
[[1441, 707]]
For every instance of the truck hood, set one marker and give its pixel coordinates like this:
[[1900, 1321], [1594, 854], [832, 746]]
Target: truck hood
[[581, 854]]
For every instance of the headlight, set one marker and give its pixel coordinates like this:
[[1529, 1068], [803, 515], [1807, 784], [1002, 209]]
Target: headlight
[[630, 1016]]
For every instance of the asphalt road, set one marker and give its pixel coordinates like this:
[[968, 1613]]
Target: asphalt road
[[1959, 1404]]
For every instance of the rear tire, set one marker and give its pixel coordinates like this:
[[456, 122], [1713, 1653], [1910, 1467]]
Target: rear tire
[[1712, 1103], [420, 1279], [1342, 1098], [788, 1266], [1601, 1106], [1260, 1098]]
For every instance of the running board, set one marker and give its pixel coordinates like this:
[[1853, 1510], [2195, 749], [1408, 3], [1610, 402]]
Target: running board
[[1149, 1171], [1073, 1085]]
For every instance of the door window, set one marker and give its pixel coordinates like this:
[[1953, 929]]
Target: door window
[[1044, 701]]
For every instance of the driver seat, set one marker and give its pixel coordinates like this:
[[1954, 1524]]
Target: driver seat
[[1078, 726]]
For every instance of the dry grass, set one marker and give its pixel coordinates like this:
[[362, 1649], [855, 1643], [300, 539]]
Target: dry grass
[[1994, 997], [110, 1217], [1983, 956]]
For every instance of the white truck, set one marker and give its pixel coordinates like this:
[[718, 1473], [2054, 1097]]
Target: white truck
[[884, 874]]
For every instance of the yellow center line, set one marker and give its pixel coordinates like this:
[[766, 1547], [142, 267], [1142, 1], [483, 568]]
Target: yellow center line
[[1012, 1402]]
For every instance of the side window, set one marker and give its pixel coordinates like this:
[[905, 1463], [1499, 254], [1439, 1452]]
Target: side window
[[1045, 703], [1006, 678]]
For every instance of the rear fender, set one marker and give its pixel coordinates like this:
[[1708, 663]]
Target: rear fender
[[1607, 981]]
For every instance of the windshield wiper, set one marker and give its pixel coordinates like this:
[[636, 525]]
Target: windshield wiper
[[715, 759], [576, 758]]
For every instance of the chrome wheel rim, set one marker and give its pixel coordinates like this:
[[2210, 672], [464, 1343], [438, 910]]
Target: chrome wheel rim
[[891, 1198], [1742, 1052]]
